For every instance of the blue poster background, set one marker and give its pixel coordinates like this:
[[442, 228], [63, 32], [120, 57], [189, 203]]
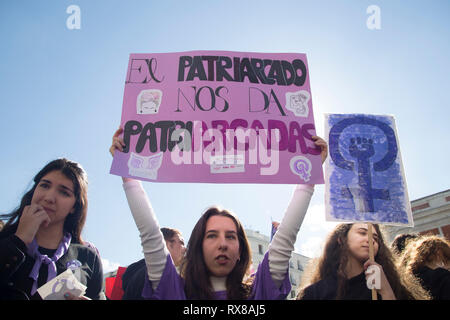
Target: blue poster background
[[364, 172]]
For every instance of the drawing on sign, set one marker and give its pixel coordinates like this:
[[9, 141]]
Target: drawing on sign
[[148, 101], [145, 167], [301, 166], [297, 102], [362, 150]]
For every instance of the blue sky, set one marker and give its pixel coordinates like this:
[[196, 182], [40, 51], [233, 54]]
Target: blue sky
[[62, 94]]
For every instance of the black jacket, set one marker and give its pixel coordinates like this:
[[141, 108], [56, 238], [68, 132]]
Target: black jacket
[[133, 281], [436, 281], [16, 265], [326, 289]]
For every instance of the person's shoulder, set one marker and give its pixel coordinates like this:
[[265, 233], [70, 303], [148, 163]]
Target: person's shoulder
[[85, 250], [321, 290], [91, 245], [323, 283], [426, 272], [134, 268]]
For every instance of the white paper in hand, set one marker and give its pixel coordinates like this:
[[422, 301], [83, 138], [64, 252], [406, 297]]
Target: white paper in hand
[[57, 287]]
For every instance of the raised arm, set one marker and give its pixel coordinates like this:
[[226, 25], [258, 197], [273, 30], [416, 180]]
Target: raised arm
[[282, 245], [152, 240]]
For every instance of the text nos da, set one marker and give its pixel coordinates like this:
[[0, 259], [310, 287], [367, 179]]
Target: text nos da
[[208, 99]]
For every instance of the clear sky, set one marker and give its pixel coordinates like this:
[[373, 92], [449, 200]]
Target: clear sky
[[62, 90]]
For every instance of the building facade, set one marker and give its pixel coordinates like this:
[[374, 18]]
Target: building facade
[[431, 215]]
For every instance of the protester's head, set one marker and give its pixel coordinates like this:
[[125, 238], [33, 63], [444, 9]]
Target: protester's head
[[426, 251], [175, 244], [400, 242], [218, 247], [349, 243], [66, 203]]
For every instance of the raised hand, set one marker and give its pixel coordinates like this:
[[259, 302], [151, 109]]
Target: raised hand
[[385, 290], [318, 141], [117, 142]]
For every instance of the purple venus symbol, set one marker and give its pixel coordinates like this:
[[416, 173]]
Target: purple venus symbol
[[302, 167]]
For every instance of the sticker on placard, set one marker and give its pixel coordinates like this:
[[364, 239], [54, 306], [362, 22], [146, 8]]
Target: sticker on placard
[[149, 101], [297, 102], [227, 164], [301, 166], [145, 167]]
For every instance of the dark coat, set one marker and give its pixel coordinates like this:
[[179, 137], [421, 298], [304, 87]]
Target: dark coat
[[436, 281], [326, 289], [16, 265], [133, 281]]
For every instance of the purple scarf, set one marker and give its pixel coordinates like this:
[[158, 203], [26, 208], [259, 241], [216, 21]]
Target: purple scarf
[[42, 258]]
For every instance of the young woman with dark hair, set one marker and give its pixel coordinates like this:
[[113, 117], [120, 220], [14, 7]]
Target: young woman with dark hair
[[339, 273], [218, 256], [42, 237], [206, 255]]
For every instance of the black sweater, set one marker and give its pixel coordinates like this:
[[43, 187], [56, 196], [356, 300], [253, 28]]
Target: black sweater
[[326, 289]]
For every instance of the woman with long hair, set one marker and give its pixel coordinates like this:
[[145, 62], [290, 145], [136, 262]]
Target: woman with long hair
[[340, 272], [426, 261], [217, 255], [42, 237], [203, 258]]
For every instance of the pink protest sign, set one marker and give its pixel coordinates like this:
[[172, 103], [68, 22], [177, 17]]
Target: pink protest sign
[[218, 117]]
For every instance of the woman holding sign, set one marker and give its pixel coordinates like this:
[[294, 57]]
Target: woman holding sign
[[342, 272], [218, 254], [42, 238]]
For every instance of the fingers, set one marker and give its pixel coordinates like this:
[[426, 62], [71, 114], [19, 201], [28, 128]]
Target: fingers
[[117, 143], [32, 209], [318, 141], [118, 133], [33, 217], [69, 296], [35, 212], [369, 262], [45, 220], [117, 139]]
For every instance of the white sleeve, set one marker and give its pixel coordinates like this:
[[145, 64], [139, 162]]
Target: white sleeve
[[282, 244], [152, 240]]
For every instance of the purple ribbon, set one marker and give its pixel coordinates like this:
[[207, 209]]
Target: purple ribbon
[[42, 258]]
